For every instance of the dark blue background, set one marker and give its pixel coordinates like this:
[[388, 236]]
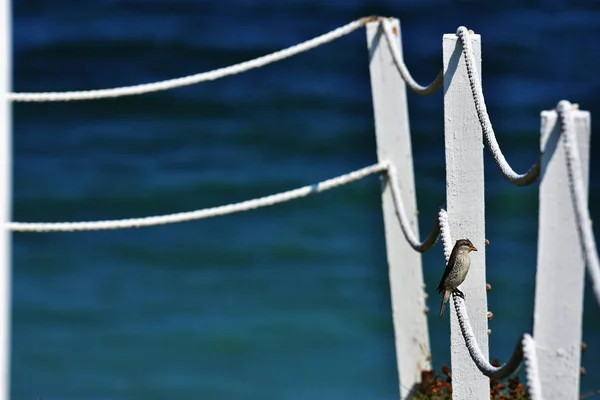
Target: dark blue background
[[288, 302]]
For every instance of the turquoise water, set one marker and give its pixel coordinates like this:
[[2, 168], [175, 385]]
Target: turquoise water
[[287, 302]]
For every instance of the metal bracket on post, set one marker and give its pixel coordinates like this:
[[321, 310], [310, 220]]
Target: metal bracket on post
[[466, 205], [560, 274], [394, 146]]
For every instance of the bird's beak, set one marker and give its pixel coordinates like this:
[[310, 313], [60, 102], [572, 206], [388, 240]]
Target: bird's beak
[[472, 248]]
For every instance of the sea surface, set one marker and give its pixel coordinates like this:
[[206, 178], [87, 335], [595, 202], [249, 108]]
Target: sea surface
[[286, 302]]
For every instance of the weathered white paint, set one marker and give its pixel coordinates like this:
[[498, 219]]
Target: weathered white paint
[[560, 272], [5, 196], [406, 276], [465, 202]]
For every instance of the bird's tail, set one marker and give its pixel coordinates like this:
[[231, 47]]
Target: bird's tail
[[444, 301]]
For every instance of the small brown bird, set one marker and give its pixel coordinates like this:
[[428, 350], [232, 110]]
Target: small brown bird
[[456, 271]]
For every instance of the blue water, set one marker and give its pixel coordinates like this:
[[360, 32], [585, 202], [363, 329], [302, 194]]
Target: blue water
[[288, 302]]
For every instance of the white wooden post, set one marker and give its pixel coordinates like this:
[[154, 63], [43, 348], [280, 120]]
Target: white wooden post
[[5, 196], [465, 202], [393, 145], [560, 272]]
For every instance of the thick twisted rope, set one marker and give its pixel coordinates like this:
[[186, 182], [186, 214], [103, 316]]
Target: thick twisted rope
[[406, 76], [238, 68], [484, 366], [477, 356], [445, 234], [578, 196], [199, 214], [246, 206], [409, 234], [532, 369], [197, 78], [484, 119]]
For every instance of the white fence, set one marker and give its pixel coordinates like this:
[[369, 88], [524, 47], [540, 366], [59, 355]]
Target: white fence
[[561, 165]]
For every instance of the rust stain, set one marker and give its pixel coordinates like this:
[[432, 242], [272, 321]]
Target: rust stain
[[395, 30]]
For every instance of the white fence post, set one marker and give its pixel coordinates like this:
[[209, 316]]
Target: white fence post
[[5, 197], [560, 271], [465, 202], [393, 145]]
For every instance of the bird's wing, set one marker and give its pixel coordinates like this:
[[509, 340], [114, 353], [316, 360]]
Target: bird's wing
[[449, 266]]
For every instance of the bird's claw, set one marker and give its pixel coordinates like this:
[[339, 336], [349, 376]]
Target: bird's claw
[[458, 293]]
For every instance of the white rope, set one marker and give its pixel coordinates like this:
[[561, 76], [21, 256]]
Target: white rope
[[578, 196], [409, 234], [534, 387], [445, 234], [484, 119], [398, 60], [198, 214], [197, 78], [477, 356]]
